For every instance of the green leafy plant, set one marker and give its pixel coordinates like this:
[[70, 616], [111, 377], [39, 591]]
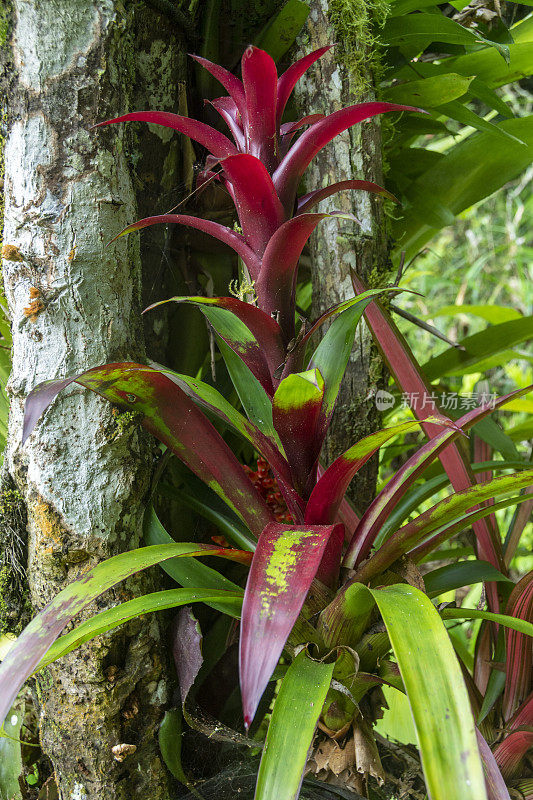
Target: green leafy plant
[[471, 143], [335, 593]]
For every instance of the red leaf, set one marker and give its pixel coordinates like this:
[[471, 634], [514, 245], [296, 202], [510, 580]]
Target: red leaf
[[217, 144], [175, 420], [519, 660], [291, 127], [220, 232], [258, 206], [285, 562], [296, 412], [326, 497], [230, 114], [288, 130], [276, 284], [523, 716], [260, 79], [288, 174], [230, 82], [510, 753], [292, 75], [308, 201]]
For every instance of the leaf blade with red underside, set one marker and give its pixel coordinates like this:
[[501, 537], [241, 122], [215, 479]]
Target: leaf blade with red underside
[[308, 201], [324, 502], [264, 440], [443, 513], [523, 715], [395, 489], [43, 630], [220, 232], [174, 419], [285, 562], [276, 283], [260, 81], [296, 408], [409, 377], [293, 165], [217, 144], [252, 335], [258, 206], [519, 659], [292, 75]]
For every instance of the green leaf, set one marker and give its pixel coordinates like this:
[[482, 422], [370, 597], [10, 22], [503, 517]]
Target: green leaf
[[208, 398], [332, 354], [399, 8], [421, 29], [34, 642], [437, 694], [464, 573], [224, 519], [292, 727], [188, 572], [445, 514], [463, 114], [492, 314], [10, 755], [253, 397], [281, 31], [429, 92], [515, 623], [170, 733], [479, 346], [429, 488], [470, 171], [230, 601]]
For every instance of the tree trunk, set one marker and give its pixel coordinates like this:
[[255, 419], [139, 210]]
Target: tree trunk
[[342, 77], [75, 303]]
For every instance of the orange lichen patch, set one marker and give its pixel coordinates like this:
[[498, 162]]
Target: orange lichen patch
[[49, 532], [11, 253], [36, 305], [72, 254]]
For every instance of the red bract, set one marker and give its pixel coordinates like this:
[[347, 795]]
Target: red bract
[[261, 171]]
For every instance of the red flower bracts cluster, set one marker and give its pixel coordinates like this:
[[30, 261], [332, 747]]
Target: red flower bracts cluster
[[261, 169], [268, 488]]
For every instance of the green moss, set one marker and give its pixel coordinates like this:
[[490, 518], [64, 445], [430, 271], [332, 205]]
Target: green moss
[[355, 23], [125, 421], [5, 22]]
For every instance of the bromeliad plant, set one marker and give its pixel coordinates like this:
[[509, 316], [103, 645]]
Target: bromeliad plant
[[315, 587]]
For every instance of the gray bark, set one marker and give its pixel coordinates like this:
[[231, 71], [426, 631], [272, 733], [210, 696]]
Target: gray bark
[[336, 247], [74, 304]]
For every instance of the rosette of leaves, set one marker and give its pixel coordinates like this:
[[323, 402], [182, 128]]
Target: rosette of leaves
[[316, 586]]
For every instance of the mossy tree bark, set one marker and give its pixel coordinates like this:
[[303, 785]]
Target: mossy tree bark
[[345, 75], [75, 303]]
